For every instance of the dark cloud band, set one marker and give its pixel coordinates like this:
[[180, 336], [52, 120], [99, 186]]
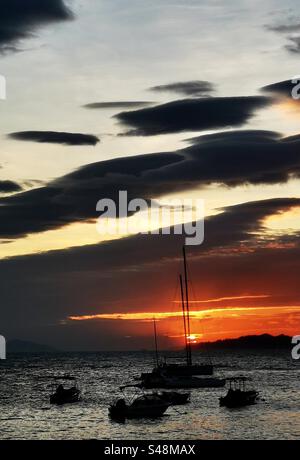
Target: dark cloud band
[[8, 186], [230, 158], [289, 89], [53, 137], [192, 115], [187, 88], [19, 19]]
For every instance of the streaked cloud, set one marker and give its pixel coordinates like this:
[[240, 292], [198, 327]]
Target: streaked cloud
[[290, 28], [294, 44], [54, 137], [243, 157], [117, 105], [222, 299], [186, 88], [283, 88], [194, 314], [197, 114]]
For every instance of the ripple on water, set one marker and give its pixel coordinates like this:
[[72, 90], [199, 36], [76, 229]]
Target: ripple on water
[[26, 413]]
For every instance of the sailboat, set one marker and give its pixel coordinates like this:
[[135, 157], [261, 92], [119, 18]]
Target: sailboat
[[183, 375]]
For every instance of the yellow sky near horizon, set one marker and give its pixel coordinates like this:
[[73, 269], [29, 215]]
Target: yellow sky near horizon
[[81, 233]]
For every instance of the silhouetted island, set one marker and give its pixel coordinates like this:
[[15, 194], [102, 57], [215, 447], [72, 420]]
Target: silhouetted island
[[264, 341], [22, 346]]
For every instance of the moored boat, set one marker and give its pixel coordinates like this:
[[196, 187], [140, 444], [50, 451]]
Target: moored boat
[[237, 395], [65, 395], [147, 405]]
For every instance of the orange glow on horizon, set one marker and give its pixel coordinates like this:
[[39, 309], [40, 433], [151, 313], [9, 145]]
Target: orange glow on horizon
[[221, 299], [194, 314], [206, 325]]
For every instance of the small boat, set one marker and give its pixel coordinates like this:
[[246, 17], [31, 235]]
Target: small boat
[[65, 395], [147, 405], [174, 397], [237, 395]]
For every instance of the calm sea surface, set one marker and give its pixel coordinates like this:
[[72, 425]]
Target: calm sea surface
[[25, 412]]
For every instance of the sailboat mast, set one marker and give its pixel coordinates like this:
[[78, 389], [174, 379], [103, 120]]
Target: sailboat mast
[[187, 307], [156, 346], [184, 320]]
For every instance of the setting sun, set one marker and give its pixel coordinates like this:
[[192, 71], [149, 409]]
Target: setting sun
[[194, 338]]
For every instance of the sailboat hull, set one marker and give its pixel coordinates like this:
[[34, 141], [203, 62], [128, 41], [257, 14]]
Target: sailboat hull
[[181, 382], [187, 370]]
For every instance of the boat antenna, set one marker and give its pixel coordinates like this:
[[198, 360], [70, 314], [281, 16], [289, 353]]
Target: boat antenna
[[155, 338], [187, 308], [184, 320]]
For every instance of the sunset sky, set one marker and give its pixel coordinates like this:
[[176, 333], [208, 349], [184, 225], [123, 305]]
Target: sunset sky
[[165, 99]]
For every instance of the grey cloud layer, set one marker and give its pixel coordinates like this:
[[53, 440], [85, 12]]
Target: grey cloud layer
[[192, 115], [229, 158], [291, 29], [287, 27], [294, 44], [19, 19]]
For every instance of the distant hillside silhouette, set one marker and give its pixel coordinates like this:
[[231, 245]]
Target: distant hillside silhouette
[[255, 342], [264, 341], [21, 346]]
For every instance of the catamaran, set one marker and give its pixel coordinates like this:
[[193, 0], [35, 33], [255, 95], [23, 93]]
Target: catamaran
[[182, 375]]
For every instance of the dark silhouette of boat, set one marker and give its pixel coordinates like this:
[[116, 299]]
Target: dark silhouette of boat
[[180, 369], [183, 375], [147, 405], [157, 379], [65, 395], [237, 395]]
